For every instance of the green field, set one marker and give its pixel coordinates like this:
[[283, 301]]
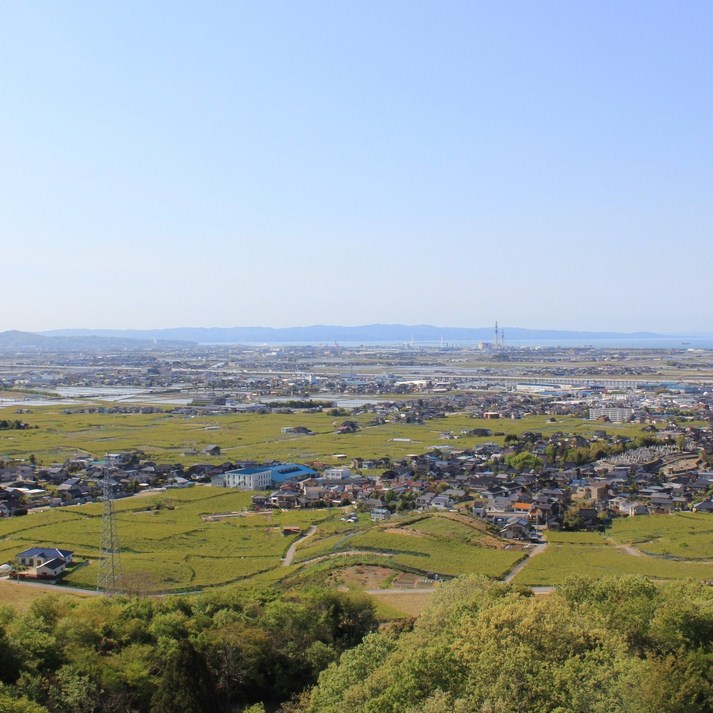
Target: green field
[[435, 543], [686, 535], [561, 560], [673, 546], [168, 546], [165, 437], [173, 547], [576, 538]]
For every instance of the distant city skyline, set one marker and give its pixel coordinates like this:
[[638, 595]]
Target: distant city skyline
[[547, 164]]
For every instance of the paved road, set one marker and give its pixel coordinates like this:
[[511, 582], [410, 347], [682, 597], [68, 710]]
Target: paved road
[[293, 547]]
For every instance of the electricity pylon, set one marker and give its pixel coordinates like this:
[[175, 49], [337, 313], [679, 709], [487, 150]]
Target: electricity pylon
[[109, 578]]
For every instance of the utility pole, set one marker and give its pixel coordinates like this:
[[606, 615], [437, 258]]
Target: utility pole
[[109, 577]]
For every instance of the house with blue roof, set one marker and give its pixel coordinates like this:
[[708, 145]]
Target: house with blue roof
[[37, 556], [262, 477]]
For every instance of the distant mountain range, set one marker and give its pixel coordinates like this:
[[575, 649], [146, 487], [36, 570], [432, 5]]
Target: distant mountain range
[[327, 333], [27, 341], [125, 339]]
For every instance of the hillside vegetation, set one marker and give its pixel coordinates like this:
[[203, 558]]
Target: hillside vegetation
[[617, 645], [597, 646], [215, 652]]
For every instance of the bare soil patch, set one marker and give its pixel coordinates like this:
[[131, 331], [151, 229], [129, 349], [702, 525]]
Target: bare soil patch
[[360, 577]]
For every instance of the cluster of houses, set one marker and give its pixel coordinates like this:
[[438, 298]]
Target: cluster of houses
[[518, 504], [77, 481]]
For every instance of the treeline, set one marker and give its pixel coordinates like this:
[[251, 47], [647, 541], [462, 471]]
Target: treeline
[[622, 645], [561, 454], [222, 651], [619, 645]]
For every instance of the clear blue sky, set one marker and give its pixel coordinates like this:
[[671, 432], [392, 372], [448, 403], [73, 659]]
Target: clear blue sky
[[545, 164]]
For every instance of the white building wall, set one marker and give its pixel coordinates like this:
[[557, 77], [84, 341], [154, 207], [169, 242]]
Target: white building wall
[[248, 481], [336, 473]]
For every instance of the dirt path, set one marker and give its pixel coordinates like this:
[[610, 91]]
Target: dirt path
[[537, 550], [629, 550], [293, 547]]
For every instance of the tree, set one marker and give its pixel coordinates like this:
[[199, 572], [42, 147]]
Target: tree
[[18, 704], [74, 691], [618, 645], [525, 461], [186, 685], [9, 663]]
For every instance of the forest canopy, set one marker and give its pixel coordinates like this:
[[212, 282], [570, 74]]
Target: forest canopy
[[616, 645], [220, 651], [594, 646]]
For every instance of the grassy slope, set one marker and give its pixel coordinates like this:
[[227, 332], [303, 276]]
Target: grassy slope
[[682, 535], [640, 545], [442, 544], [20, 596], [561, 560], [173, 548]]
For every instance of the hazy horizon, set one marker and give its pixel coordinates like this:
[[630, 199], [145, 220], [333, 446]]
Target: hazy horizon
[[541, 164], [489, 329]]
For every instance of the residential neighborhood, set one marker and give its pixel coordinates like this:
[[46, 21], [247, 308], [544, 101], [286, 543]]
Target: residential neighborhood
[[531, 482], [578, 472]]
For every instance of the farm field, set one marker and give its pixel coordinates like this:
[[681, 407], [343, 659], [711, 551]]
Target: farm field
[[685, 535], [439, 543], [168, 546], [576, 538], [391, 606], [673, 546], [559, 561], [165, 436], [164, 538]]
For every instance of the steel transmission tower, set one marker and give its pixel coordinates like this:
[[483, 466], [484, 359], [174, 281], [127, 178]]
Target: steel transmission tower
[[109, 578]]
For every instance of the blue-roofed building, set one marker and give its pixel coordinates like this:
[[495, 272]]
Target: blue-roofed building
[[36, 556], [261, 477]]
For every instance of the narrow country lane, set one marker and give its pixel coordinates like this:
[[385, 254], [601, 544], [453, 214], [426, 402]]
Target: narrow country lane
[[293, 547]]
